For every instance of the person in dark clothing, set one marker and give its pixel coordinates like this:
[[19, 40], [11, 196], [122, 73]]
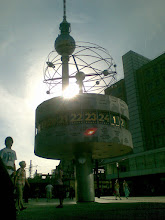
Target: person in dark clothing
[[71, 193], [59, 186], [6, 194]]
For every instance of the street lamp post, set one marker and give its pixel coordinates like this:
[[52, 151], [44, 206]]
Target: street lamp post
[[97, 179]]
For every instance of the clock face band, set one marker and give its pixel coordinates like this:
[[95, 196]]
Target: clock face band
[[87, 117]]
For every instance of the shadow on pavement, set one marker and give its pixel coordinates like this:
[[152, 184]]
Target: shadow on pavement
[[48, 211]]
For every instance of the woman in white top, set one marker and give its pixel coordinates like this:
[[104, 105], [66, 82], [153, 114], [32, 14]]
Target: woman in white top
[[20, 181], [8, 157]]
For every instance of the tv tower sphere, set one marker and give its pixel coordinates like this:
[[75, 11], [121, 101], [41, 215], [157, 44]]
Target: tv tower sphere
[[64, 43]]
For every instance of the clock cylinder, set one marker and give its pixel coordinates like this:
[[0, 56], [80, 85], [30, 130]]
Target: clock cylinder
[[97, 124]]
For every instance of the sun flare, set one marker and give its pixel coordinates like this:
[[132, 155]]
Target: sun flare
[[71, 91]]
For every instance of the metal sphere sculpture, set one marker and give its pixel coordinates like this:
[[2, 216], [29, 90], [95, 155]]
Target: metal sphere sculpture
[[95, 62]]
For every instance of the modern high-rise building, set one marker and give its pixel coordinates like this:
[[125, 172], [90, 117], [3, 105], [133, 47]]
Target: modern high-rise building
[[143, 89]]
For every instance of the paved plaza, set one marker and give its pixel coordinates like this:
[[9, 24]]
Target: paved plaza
[[103, 208]]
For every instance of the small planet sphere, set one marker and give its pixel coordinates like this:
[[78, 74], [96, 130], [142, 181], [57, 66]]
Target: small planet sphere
[[80, 76]]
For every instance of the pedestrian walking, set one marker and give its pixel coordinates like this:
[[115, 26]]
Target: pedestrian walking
[[20, 181], [8, 157], [117, 190], [49, 189], [126, 189], [37, 192], [71, 193], [59, 186]]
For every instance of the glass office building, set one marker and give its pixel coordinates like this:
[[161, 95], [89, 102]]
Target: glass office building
[[143, 89]]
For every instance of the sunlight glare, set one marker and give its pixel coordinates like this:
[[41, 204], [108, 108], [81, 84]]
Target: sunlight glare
[[71, 91]]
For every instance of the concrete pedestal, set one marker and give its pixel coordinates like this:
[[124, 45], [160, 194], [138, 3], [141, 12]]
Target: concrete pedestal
[[84, 178]]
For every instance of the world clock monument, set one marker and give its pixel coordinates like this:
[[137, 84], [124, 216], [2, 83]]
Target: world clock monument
[[88, 126]]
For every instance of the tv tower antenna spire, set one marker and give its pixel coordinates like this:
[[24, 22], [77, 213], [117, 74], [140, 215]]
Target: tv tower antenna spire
[[64, 1]]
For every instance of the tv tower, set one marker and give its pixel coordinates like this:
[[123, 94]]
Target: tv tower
[[65, 46]]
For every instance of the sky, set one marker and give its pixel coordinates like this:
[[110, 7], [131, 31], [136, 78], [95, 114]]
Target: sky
[[28, 30]]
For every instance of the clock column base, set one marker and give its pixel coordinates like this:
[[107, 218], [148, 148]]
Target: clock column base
[[84, 183]]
